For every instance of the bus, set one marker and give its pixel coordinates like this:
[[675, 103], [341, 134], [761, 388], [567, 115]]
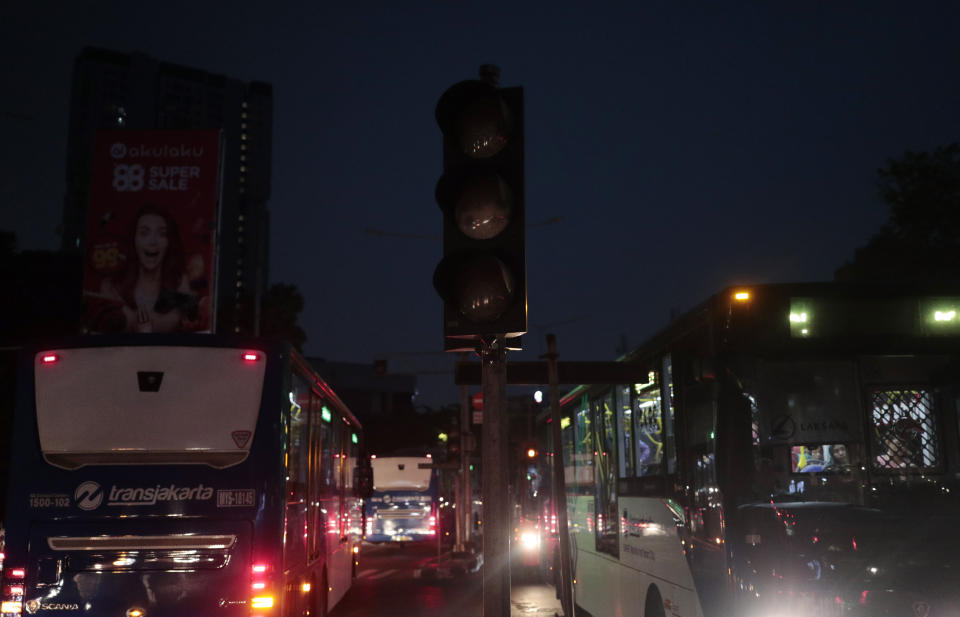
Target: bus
[[404, 506], [792, 451], [179, 476]]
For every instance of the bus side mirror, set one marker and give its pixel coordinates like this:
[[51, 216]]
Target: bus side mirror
[[365, 481]]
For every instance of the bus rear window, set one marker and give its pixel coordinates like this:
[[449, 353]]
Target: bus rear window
[[147, 405]]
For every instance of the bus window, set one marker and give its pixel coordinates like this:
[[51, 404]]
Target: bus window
[[326, 455], [904, 433], [297, 440], [298, 447], [625, 422], [583, 448], [604, 422], [648, 419], [669, 434], [338, 453], [314, 493]]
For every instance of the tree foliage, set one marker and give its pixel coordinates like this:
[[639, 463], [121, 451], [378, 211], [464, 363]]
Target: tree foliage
[[280, 307], [921, 239]]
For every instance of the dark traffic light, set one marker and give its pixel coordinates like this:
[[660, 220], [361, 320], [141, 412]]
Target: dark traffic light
[[482, 278]]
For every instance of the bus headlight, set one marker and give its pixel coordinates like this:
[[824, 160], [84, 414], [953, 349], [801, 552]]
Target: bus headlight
[[530, 540]]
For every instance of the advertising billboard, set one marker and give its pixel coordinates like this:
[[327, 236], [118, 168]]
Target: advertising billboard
[[149, 262]]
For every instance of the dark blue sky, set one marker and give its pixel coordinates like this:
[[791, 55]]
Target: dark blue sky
[[686, 148]]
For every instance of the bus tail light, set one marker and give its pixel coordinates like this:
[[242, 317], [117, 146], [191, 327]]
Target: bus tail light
[[260, 569], [251, 356], [49, 358], [262, 601], [13, 587], [11, 607]]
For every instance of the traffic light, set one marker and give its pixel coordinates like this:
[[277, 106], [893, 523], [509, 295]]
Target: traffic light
[[482, 277], [453, 445]]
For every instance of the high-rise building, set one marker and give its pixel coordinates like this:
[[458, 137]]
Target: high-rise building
[[114, 90]]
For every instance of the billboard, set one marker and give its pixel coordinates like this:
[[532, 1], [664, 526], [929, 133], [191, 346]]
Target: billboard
[[149, 261]]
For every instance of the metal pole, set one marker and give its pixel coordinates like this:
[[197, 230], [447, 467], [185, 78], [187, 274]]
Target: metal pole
[[463, 486], [496, 508], [559, 485]]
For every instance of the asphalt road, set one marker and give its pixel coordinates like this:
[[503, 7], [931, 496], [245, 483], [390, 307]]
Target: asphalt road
[[387, 586]]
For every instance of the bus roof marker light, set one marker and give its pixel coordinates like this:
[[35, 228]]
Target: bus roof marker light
[[49, 358], [251, 356], [325, 414], [741, 295]]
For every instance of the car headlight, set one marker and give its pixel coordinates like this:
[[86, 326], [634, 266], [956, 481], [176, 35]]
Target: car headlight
[[530, 540]]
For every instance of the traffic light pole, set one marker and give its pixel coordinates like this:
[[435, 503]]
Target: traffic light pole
[[464, 505], [496, 506]]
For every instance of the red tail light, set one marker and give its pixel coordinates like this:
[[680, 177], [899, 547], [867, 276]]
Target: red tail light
[[262, 599], [49, 358], [251, 356], [259, 568], [12, 603]]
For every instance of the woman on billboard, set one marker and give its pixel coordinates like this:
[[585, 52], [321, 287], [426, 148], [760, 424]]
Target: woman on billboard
[[152, 287]]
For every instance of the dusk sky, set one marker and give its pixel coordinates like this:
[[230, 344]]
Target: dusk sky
[[686, 146]]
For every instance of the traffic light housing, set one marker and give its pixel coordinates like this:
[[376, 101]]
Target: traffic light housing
[[453, 445], [482, 277]]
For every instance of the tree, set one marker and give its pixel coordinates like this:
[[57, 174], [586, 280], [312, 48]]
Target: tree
[[921, 239], [279, 309]]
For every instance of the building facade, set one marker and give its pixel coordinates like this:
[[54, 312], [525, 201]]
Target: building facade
[[114, 90]]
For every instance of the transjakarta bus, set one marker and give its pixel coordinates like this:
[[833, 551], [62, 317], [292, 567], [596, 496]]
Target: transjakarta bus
[[404, 505], [179, 476], [793, 452]]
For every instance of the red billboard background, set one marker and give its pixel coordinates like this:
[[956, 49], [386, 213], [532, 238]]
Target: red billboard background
[[151, 225]]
